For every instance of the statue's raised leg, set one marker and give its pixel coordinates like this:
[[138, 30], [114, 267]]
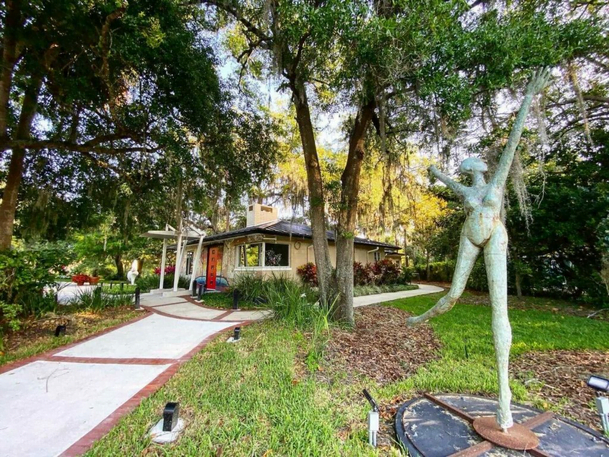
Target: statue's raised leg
[[468, 252], [496, 272]]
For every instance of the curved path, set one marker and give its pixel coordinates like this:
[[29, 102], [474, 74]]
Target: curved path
[[62, 401], [423, 289], [186, 307]]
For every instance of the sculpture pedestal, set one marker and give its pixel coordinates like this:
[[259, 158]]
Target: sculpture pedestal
[[445, 425], [517, 437]]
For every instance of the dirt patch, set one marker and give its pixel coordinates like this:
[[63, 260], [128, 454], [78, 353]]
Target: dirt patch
[[558, 378], [381, 346]]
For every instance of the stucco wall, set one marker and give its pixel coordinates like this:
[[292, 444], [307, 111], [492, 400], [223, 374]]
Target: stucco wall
[[301, 252]]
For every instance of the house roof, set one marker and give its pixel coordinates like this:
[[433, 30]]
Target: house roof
[[286, 228]]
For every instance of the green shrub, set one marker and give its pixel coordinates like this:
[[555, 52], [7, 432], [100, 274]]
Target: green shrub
[[250, 286], [408, 275], [27, 278], [96, 300], [149, 282], [359, 291]]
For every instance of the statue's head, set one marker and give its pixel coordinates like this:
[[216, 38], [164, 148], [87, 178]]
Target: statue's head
[[472, 165]]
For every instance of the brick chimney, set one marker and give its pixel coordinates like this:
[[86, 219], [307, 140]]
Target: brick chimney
[[259, 214]]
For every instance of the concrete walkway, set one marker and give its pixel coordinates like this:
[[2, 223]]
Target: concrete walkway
[[423, 289], [186, 307], [61, 402]]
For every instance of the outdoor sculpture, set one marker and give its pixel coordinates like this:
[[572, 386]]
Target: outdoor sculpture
[[133, 273], [484, 230]]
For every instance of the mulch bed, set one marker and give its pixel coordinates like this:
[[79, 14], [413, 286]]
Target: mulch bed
[[78, 324], [381, 346], [561, 378]]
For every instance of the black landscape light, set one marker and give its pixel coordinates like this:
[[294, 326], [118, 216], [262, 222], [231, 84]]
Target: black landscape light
[[598, 383], [137, 298], [171, 414], [60, 330], [236, 296], [237, 334]]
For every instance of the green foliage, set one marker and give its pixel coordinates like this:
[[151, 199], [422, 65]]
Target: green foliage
[[26, 274], [381, 289], [96, 300]]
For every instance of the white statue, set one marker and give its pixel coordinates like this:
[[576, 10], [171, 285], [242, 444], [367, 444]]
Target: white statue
[[133, 273], [484, 230]]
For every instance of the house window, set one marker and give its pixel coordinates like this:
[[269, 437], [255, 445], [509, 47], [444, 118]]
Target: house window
[[377, 256], [250, 255], [189, 262], [263, 255], [276, 255]]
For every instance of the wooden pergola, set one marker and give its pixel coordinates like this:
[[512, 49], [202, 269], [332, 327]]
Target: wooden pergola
[[182, 237]]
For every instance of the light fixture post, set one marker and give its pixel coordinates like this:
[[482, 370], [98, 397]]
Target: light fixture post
[[373, 419], [602, 404]]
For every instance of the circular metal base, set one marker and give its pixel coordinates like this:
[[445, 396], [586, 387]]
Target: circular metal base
[[443, 425], [517, 437]]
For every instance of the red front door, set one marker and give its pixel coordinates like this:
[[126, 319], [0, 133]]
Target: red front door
[[214, 264]]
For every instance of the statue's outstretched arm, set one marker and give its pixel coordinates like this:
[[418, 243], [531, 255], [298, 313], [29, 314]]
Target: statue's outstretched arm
[[453, 185], [538, 81]]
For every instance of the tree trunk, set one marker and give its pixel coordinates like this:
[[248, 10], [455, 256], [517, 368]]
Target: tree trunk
[[120, 269], [316, 192], [427, 266], [347, 215], [15, 169], [518, 285], [9, 198]]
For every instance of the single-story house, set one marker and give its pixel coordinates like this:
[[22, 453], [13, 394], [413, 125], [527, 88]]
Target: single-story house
[[269, 246]]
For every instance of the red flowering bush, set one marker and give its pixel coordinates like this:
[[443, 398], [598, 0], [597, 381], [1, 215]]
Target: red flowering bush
[[168, 270], [80, 279], [385, 272], [362, 274], [308, 273]]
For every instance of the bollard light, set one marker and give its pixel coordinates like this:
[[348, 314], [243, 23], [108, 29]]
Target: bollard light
[[373, 419], [171, 415], [236, 296], [200, 291], [137, 298], [60, 330], [237, 333]]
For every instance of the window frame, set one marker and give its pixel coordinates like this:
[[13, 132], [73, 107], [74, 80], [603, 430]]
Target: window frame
[[263, 256]]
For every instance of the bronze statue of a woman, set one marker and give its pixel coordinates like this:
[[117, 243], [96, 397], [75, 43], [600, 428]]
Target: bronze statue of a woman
[[484, 230]]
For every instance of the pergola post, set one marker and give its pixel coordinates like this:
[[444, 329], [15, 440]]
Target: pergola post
[[163, 262], [197, 262], [176, 273]]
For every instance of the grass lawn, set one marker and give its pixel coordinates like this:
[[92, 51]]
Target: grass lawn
[[37, 335], [251, 398], [541, 329], [264, 396]]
